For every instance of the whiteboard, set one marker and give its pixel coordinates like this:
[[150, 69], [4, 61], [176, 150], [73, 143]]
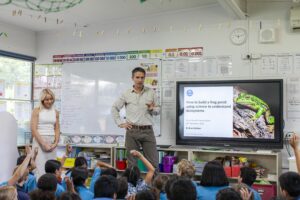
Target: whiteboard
[[88, 92]]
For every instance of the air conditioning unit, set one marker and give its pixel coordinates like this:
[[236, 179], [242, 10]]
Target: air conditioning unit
[[267, 35], [295, 18]]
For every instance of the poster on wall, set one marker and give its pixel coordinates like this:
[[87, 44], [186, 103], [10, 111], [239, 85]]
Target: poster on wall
[[224, 65], [182, 69], [195, 68], [22, 90], [285, 63], [293, 98], [297, 62], [210, 66], [268, 64], [152, 81], [168, 70]]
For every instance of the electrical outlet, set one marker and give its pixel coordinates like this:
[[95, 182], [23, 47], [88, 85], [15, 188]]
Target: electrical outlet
[[288, 135]]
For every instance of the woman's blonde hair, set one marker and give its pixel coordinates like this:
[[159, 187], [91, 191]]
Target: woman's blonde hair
[[186, 168], [44, 93], [8, 193]]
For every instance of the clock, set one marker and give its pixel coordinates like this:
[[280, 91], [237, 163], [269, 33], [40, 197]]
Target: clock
[[238, 36]]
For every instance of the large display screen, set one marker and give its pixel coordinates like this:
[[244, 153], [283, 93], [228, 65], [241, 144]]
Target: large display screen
[[230, 113]]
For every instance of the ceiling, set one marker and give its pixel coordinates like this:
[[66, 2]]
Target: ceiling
[[94, 11]]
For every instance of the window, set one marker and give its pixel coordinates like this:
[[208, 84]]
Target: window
[[16, 91]]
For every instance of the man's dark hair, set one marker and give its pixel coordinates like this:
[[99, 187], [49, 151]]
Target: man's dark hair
[[138, 69], [51, 166], [122, 188], [109, 171], [214, 175], [290, 182], [145, 195], [248, 175], [228, 194], [183, 189], [106, 186], [47, 182]]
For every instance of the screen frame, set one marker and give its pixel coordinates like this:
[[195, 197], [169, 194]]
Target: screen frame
[[236, 142]]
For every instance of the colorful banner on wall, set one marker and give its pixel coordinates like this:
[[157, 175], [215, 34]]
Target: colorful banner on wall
[[189, 52]]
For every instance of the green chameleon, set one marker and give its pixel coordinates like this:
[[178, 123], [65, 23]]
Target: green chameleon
[[256, 104]]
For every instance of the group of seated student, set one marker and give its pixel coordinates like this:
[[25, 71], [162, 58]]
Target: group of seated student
[[105, 185]]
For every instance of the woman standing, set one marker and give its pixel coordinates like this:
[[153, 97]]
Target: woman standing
[[45, 130]]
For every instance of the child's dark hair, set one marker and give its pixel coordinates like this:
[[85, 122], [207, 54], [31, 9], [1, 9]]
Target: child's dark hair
[[79, 176], [160, 182], [145, 195], [69, 196], [169, 185], [41, 195], [52, 165], [248, 175], [21, 159], [214, 175], [132, 174], [47, 182], [122, 188], [228, 194], [79, 162], [290, 182], [109, 171], [183, 188], [106, 186]]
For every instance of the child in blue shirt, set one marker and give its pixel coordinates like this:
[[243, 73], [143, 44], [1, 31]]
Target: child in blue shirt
[[79, 162], [248, 176], [213, 179], [159, 184], [98, 172], [54, 167], [79, 177]]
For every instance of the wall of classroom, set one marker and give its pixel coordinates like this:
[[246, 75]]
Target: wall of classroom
[[208, 27], [19, 40]]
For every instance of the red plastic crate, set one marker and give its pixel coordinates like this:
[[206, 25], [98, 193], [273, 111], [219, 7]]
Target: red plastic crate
[[235, 170], [228, 171], [266, 191]]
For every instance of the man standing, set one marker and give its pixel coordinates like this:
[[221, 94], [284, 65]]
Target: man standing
[[141, 104]]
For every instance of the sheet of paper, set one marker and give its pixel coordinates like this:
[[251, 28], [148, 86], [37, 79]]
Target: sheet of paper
[[22, 90], [210, 66], [224, 65], [297, 62], [195, 68], [168, 91], [40, 70], [182, 69], [168, 70], [285, 63], [268, 65], [293, 98]]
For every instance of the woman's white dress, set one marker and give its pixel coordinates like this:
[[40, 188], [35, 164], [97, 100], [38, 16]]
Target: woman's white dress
[[46, 124]]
